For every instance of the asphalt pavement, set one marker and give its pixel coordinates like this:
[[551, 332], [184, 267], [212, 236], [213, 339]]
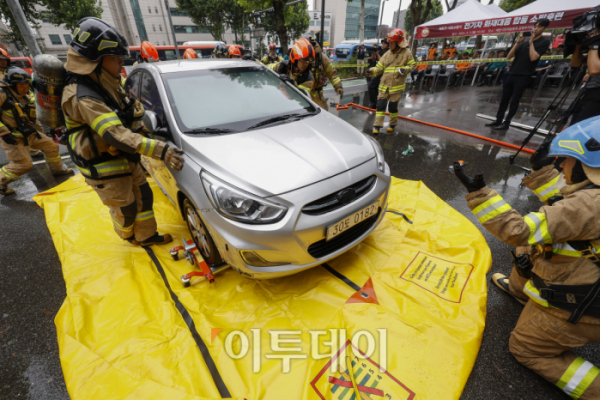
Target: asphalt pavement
[[32, 288]]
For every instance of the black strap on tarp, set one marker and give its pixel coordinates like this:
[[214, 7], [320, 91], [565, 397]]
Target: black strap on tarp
[[212, 368], [341, 277]]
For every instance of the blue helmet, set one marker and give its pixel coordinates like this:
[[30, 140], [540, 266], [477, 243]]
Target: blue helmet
[[580, 141]]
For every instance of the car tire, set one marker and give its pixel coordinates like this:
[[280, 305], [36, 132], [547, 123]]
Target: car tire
[[200, 235]]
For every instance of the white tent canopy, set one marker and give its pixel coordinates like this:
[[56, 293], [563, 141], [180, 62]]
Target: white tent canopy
[[552, 6], [468, 11]]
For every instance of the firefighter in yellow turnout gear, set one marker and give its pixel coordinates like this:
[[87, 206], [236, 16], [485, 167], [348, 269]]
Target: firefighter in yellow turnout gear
[[20, 131], [322, 69], [297, 69], [105, 139], [4, 62], [272, 57], [395, 66], [559, 272]]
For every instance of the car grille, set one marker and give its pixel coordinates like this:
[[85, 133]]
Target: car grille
[[322, 247], [340, 198]]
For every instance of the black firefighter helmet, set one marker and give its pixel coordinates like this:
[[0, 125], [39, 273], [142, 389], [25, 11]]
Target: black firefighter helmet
[[14, 75], [94, 39]]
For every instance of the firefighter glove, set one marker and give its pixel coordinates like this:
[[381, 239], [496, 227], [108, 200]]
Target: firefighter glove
[[172, 157], [27, 130], [540, 158], [9, 139], [340, 92], [472, 184], [286, 78]]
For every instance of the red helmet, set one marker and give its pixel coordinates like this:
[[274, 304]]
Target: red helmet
[[396, 35], [189, 54], [4, 56], [272, 46], [234, 52], [302, 50], [147, 51]]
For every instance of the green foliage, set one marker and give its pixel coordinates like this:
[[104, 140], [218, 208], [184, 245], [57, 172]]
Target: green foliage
[[436, 11], [212, 15], [55, 10], [511, 5], [69, 14]]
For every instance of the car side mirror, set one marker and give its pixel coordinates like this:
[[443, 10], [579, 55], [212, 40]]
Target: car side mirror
[[150, 121]]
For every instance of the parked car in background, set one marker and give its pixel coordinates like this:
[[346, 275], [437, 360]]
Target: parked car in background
[[274, 188], [558, 40]]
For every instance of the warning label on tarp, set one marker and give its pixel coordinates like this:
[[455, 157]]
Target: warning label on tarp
[[399, 316]]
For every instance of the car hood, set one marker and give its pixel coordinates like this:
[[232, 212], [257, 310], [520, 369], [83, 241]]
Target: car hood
[[279, 159]]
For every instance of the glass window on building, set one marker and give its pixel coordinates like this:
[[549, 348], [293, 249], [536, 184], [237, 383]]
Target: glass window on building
[[327, 22], [154, 28], [67, 39], [156, 10], [149, 10], [187, 29], [178, 13], [55, 39], [160, 27]]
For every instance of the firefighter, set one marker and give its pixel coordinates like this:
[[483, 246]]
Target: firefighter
[[272, 57], [220, 51], [103, 127], [234, 52], [296, 70], [4, 62], [560, 269], [19, 130], [395, 66], [147, 52], [322, 69], [189, 54]]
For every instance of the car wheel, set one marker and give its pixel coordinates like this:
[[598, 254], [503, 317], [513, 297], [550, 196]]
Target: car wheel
[[200, 234]]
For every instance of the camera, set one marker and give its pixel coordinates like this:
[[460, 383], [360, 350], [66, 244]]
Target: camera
[[587, 22]]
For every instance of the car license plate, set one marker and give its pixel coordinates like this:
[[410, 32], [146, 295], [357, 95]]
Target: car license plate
[[348, 222]]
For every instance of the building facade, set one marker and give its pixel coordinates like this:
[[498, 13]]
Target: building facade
[[345, 19], [137, 20], [315, 26], [398, 20]]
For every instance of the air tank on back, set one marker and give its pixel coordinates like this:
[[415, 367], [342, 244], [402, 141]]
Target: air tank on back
[[48, 82]]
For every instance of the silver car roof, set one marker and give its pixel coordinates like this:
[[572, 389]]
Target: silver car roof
[[168, 67]]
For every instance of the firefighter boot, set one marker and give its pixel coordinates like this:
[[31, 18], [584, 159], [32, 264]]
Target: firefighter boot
[[6, 191], [65, 171], [154, 239], [391, 128], [501, 281], [376, 130]]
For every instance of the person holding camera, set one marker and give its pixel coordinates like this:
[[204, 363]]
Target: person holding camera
[[588, 103], [526, 55], [556, 274]]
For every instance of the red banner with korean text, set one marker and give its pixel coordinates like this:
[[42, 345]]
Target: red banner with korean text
[[563, 19]]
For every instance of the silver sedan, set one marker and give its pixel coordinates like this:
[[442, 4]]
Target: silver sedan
[[272, 184]]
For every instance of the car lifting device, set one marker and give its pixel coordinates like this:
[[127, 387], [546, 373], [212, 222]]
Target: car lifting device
[[191, 253]]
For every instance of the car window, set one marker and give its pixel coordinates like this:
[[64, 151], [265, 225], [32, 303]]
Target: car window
[[230, 98], [132, 85], [150, 98]]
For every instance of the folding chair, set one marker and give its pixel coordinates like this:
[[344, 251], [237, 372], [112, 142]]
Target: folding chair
[[435, 70], [446, 73]]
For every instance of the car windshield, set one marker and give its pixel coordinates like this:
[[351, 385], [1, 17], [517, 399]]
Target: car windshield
[[231, 99]]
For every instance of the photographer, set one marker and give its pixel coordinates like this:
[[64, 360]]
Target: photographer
[[526, 55], [588, 103]]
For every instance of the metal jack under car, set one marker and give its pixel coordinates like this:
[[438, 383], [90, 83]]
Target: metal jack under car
[[272, 184]]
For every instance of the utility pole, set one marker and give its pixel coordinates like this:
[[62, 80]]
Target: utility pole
[[24, 28], [380, 18], [398, 16], [172, 29], [323, 23]]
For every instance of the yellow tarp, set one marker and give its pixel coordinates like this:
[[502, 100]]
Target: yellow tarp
[[417, 335]]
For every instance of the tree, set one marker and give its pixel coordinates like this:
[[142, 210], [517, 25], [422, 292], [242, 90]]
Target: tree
[[55, 10], [210, 15], [296, 23], [511, 5], [278, 7], [436, 10]]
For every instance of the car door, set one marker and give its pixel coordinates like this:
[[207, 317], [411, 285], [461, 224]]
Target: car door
[[143, 88]]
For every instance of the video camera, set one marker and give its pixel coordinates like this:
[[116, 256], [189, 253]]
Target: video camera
[[582, 26]]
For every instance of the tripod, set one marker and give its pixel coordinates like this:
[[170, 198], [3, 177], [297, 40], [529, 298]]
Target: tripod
[[558, 123]]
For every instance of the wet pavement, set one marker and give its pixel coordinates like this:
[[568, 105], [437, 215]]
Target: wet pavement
[[32, 288]]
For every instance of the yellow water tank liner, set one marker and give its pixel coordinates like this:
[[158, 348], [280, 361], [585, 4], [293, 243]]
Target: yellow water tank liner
[[398, 317]]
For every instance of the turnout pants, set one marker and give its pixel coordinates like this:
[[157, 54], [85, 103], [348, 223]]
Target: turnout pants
[[129, 200], [542, 342], [512, 91], [20, 160], [382, 104]]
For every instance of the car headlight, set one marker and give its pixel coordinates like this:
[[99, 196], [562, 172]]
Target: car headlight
[[378, 153], [238, 205]]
